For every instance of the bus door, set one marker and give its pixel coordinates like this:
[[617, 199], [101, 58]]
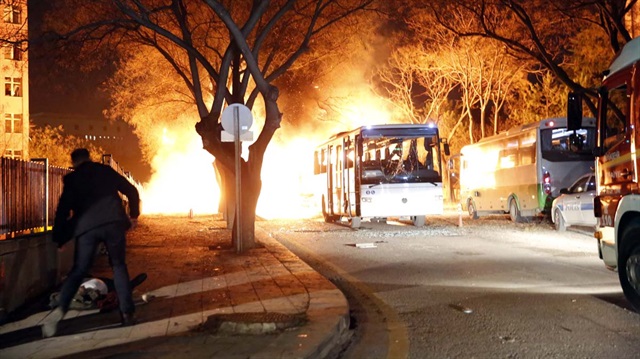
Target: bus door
[[357, 174], [329, 180], [349, 179], [337, 158]]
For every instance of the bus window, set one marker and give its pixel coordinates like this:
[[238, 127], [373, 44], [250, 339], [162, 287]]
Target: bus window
[[337, 169], [508, 158], [557, 144], [527, 155], [434, 158], [320, 161], [528, 139], [350, 158], [401, 159], [316, 162]]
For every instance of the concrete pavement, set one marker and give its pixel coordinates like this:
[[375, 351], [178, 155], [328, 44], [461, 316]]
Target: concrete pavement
[[203, 300]]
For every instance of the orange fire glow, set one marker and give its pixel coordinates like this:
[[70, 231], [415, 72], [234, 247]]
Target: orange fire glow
[[184, 178]]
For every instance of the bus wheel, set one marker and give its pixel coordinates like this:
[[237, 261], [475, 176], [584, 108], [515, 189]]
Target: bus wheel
[[629, 265], [355, 222], [514, 212], [473, 214], [558, 221], [418, 221]]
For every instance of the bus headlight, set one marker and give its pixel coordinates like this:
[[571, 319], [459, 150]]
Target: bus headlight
[[367, 200]]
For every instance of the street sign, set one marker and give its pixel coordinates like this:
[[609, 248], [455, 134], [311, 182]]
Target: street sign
[[243, 114]]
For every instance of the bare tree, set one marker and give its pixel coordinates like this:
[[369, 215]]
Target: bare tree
[[537, 30], [223, 51]]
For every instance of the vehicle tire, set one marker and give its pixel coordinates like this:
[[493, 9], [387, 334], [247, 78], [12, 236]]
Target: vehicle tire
[[418, 221], [471, 208], [514, 212], [629, 264], [558, 221]]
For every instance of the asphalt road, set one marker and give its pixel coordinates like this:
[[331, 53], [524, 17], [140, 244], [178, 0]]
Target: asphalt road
[[488, 289]]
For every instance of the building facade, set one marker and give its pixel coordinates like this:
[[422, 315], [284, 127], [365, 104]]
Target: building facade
[[14, 102]]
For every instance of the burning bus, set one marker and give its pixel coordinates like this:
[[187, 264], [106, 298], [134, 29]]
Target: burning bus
[[382, 171]]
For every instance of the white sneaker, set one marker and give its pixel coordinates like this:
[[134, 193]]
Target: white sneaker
[[50, 324]]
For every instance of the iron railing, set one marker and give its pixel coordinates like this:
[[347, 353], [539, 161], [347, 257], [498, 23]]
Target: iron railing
[[29, 191], [29, 194]]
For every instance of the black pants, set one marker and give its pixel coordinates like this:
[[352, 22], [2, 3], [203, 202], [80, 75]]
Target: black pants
[[113, 236]]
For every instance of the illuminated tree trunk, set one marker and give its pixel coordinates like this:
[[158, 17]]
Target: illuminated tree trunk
[[225, 180], [251, 185], [249, 195]]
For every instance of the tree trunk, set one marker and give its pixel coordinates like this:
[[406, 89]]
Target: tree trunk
[[483, 110], [226, 203], [470, 127], [249, 194], [250, 170]]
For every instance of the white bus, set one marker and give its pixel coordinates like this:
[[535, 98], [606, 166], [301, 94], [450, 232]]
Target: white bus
[[381, 171], [522, 170]]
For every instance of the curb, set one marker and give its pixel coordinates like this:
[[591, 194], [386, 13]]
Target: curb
[[327, 314]]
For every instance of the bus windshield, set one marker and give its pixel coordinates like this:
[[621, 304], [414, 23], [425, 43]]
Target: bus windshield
[[406, 159], [560, 145]]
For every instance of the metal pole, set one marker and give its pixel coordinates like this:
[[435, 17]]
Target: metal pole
[[46, 194], [236, 133]]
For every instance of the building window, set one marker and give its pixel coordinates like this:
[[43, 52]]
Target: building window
[[17, 154], [12, 123], [13, 86], [12, 51], [12, 14]]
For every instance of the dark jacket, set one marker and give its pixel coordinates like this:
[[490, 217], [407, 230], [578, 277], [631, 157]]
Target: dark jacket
[[90, 199]]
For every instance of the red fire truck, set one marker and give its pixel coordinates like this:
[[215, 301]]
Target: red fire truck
[[617, 205]]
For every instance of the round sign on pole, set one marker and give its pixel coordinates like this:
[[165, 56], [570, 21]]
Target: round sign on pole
[[243, 114]]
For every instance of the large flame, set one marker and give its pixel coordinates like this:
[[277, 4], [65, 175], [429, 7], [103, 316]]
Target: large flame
[[184, 181]]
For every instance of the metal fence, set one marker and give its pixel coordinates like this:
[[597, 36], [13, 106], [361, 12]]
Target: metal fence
[[29, 194]]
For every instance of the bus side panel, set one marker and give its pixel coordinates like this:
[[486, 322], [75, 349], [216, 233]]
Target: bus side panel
[[507, 183], [520, 183], [398, 200]]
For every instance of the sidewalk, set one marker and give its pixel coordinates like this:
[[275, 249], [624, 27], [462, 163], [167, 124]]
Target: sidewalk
[[203, 301]]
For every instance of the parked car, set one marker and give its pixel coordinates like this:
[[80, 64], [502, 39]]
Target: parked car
[[574, 207]]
